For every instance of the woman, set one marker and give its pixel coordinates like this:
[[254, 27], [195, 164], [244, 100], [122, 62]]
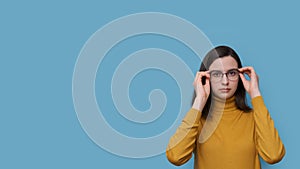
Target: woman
[[220, 129]]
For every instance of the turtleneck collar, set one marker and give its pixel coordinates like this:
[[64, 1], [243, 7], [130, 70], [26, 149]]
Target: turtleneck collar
[[227, 106]]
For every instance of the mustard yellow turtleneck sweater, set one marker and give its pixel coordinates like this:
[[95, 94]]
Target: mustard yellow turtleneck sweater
[[236, 143]]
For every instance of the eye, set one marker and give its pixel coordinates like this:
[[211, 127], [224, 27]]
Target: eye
[[232, 73], [216, 74]]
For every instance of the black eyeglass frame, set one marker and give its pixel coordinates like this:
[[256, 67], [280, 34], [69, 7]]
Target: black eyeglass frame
[[226, 73]]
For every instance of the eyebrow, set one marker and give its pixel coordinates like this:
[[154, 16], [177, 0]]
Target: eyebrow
[[226, 71]]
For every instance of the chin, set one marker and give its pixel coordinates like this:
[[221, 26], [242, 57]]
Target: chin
[[224, 96]]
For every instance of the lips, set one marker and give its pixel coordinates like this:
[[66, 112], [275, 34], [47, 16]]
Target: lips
[[225, 90]]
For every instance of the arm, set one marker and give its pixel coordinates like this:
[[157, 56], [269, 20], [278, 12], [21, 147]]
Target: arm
[[268, 142], [182, 143]]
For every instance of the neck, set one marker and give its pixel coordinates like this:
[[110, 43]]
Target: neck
[[224, 105]]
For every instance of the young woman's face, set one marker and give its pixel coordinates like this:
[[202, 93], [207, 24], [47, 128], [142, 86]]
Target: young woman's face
[[224, 85]]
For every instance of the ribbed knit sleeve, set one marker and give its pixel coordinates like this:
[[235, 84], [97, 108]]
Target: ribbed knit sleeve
[[182, 143], [268, 142]]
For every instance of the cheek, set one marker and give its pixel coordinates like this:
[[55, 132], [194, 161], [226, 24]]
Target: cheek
[[234, 85], [214, 86]]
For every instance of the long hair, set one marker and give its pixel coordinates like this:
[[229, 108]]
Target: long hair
[[240, 93]]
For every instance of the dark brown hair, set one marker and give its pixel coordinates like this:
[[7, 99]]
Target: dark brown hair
[[240, 93]]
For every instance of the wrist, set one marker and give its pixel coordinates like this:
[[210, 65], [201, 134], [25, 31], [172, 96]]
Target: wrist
[[255, 94], [199, 103]]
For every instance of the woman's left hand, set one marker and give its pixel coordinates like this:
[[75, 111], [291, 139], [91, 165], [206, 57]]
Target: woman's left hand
[[251, 86]]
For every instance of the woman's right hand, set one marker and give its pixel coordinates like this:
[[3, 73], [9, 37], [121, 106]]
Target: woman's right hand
[[202, 91]]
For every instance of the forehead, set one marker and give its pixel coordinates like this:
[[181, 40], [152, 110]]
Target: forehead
[[224, 63]]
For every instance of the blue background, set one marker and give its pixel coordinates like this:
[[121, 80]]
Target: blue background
[[39, 45]]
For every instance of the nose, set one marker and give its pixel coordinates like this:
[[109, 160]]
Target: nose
[[224, 79]]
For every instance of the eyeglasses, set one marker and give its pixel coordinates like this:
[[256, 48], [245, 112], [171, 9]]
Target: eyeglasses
[[217, 75]]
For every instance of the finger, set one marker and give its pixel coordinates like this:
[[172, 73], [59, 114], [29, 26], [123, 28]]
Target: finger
[[198, 75], [207, 74], [207, 77], [243, 69], [252, 73], [249, 68], [244, 73], [201, 76], [207, 82], [198, 78]]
